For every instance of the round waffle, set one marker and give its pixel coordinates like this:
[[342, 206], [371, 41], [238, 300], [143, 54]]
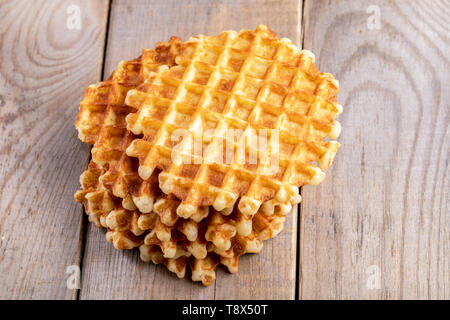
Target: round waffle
[[252, 83]]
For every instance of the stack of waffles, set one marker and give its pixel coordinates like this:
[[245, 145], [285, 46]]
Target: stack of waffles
[[200, 147]]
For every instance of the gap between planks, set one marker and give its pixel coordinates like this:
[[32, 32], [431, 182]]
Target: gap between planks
[[298, 264], [84, 226]]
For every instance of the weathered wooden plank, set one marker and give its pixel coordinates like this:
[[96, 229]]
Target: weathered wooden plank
[[108, 273], [46, 61], [383, 211]]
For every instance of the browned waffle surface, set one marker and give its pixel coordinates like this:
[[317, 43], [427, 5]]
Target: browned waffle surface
[[251, 83], [102, 106]]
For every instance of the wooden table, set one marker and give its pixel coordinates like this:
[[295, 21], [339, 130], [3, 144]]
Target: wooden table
[[376, 228]]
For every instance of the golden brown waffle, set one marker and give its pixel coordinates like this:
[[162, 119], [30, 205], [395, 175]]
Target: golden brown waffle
[[101, 121], [252, 82]]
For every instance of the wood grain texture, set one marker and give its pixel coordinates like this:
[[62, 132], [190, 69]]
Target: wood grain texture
[[44, 68], [385, 202], [108, 273]]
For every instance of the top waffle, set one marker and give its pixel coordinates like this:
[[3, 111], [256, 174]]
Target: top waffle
[[225, 93]]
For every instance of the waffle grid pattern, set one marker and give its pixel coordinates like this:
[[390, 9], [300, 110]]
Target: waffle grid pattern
[[248, 82]]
